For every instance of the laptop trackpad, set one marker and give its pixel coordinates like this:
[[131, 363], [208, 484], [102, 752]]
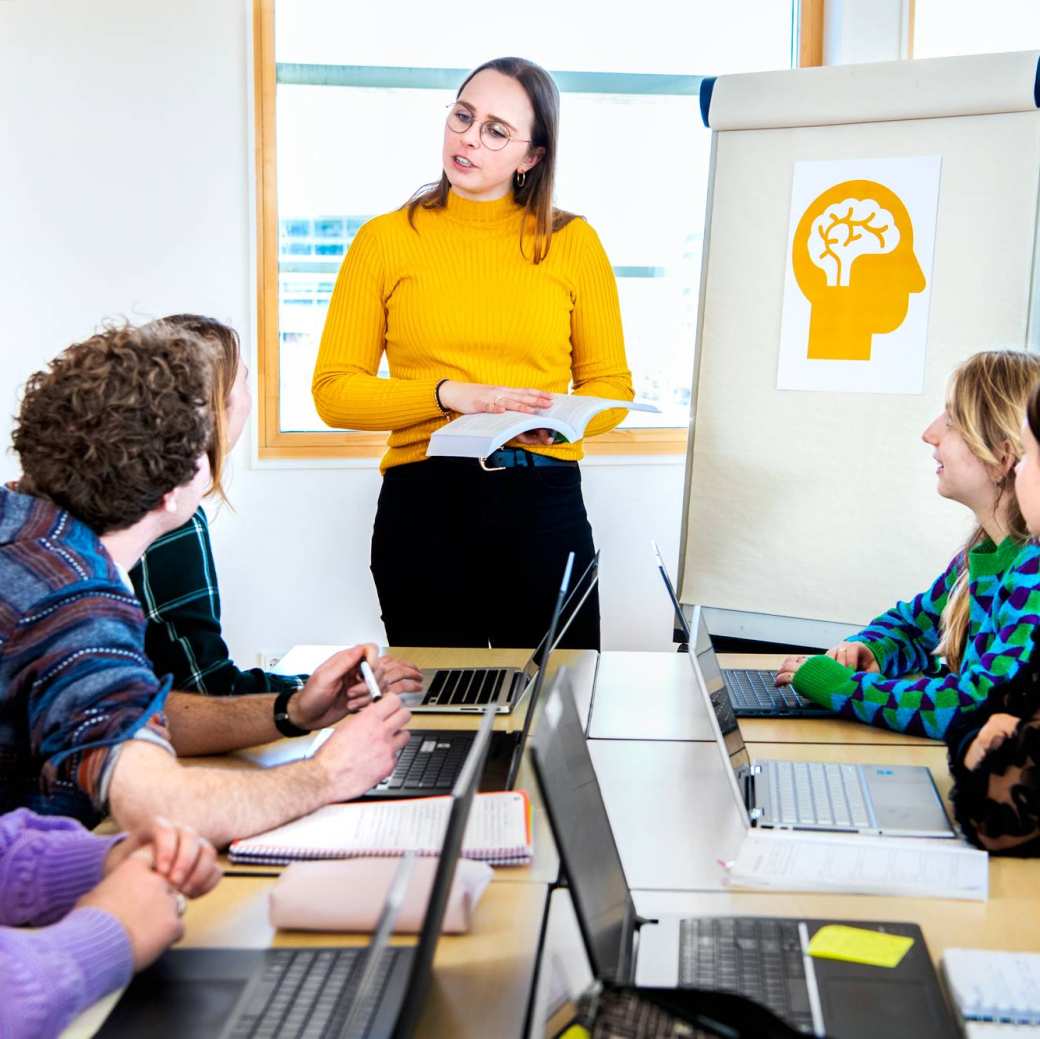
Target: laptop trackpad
[[187, 992], [868, 1007], [905, 800]]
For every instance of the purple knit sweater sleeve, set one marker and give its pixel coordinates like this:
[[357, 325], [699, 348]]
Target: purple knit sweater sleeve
[[48, 975], [46, 863]]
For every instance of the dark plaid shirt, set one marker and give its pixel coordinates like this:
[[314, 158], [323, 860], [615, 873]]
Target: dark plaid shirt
[[176, 581], [75, 682]]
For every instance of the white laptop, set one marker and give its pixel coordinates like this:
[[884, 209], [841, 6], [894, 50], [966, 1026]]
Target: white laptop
[[885, 800], [468, 690]]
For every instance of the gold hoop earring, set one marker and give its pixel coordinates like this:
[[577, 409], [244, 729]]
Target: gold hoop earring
[[519, 177]]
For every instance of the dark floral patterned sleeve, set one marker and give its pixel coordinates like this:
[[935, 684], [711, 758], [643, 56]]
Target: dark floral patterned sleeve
[[998, 803]]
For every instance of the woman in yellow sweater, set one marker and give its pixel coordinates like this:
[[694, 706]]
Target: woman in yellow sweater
[[485, 299]]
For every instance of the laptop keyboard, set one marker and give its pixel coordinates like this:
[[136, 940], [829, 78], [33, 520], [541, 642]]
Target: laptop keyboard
[[816, 792], [430, 761], [306, 994], [474, 686], [756, 689], [755, 957]]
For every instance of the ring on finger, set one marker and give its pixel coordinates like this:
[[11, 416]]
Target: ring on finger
[[181, 903]]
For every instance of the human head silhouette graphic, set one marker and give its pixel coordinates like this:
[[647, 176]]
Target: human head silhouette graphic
[[854, 260]]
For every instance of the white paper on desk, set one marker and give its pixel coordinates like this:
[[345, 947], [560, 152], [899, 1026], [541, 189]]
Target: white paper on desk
[[784, 861]]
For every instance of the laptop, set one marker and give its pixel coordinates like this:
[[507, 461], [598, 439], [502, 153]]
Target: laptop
[[305, 993], [450, 690], [885, 800], [762, 958], [429, 764], [753, 693]]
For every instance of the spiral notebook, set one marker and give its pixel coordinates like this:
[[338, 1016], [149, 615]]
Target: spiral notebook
[[998, 993], [498, 831]]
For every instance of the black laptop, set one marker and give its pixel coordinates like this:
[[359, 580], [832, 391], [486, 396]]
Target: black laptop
[[429, 765], [753, 693], [305, 993], [761, 958]]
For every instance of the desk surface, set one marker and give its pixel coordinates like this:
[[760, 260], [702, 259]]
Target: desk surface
[[483, 976], [651, 696]]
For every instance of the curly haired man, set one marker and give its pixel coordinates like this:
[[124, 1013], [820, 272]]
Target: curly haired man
[[113, 440]]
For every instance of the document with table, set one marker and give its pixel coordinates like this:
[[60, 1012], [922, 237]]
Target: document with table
[[783, 861]]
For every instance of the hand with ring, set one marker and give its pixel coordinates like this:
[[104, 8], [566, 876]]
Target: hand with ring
[[470, 398], [786, 672]]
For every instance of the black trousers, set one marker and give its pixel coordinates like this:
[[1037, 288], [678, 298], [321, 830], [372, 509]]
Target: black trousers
[[464, 557]]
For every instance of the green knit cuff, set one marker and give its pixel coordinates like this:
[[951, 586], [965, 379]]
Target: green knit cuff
[[820, 677]]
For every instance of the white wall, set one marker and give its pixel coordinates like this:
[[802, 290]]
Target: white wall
[[125, 174]]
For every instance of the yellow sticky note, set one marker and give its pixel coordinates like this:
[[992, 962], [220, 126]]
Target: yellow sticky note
[[859, 945]]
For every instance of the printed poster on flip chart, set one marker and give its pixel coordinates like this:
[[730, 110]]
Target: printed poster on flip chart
[[860, 244]]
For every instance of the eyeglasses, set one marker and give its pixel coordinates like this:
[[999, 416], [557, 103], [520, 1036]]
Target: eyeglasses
[[493, 135]]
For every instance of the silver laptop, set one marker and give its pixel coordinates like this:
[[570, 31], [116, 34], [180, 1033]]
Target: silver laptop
[[468, 690], [689, 964], [885, 800]]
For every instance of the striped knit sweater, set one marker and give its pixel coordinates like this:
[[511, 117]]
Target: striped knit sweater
[[914, 693], [454, 298], [74, 679]]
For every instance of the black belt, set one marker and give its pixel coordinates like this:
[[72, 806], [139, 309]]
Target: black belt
[[518, 458]]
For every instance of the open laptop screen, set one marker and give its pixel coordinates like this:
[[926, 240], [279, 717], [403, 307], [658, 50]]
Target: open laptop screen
[[583, 835], [461, 802], [721, 704]]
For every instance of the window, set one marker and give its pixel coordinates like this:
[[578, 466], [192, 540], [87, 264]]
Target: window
[[943, 28], [350, 119]]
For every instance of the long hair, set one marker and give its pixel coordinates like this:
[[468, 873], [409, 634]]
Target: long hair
[[228, 357], [985, 402], [536, 192]]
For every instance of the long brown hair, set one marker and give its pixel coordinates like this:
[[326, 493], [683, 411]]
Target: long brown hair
[[985, 401], [228, 357], [535, 194]]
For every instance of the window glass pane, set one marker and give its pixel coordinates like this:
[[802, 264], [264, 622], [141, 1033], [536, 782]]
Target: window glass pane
[[634, 162], [943, 28], [693, 37]]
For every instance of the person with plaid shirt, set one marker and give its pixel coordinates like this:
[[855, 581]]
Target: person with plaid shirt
[[176, 577]]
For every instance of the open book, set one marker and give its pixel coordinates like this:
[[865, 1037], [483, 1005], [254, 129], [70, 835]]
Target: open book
[[860, 865], [498, 831], [477, 436]]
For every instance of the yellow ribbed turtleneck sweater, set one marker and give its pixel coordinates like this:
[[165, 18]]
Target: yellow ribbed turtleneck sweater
[[454, 298]]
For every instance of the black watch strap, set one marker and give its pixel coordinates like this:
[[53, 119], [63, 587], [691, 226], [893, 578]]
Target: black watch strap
[[281, 715]]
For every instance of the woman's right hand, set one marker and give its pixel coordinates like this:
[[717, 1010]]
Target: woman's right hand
[[469, 398]]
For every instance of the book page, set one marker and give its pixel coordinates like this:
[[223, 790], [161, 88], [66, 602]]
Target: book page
[[497, 827], [479, 435], [861, 865]]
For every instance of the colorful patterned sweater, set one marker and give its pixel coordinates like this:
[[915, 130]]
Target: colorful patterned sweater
[[74, 679], [74, 956], [176, 581], [914, 692]]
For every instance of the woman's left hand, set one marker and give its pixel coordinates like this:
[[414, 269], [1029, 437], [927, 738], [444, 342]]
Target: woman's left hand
[[536, 438]]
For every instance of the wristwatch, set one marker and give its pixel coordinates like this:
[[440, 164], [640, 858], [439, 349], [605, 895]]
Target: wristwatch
[[282, 722]]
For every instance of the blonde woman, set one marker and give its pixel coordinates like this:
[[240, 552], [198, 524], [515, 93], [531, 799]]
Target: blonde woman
[[916, 667]]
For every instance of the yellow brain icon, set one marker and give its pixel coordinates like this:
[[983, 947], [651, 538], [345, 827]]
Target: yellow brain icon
[[853, 257]]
